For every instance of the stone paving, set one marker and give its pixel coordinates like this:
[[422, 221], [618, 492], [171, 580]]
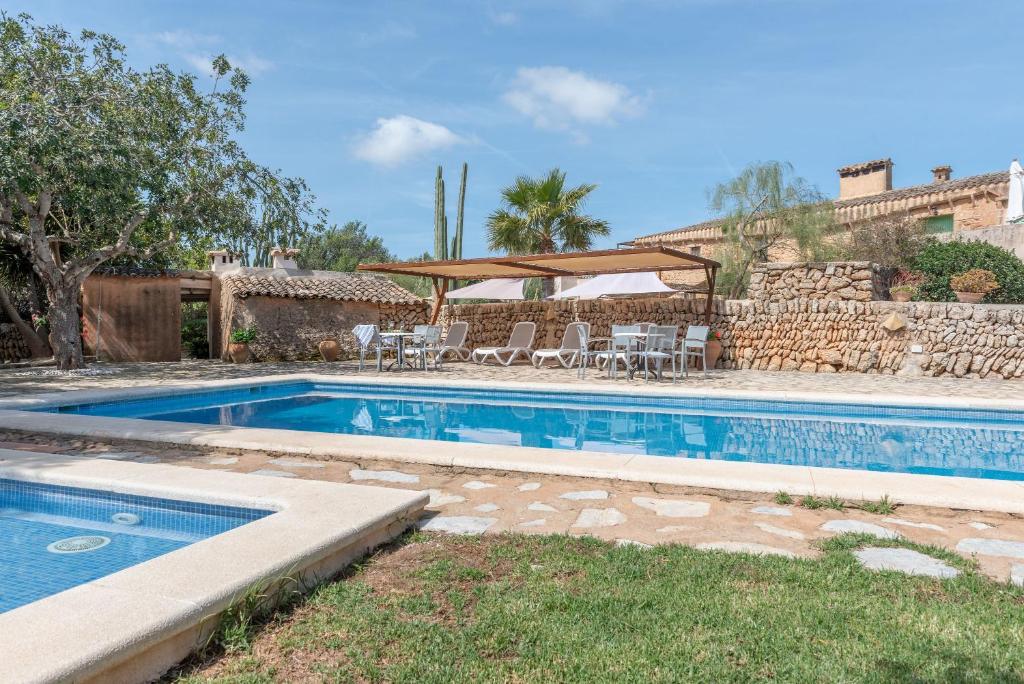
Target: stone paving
[[476, 502], [465, 502], [20, 381]]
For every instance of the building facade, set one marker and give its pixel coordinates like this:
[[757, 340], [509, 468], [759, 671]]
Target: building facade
[[948, 206]]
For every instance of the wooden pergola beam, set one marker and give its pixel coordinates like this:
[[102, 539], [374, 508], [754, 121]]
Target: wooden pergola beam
[[440, 290]]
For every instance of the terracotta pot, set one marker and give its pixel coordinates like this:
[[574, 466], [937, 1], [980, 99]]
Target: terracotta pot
[[714, 350], [239, 352], [329, 350], [969, 297], [900, 296]]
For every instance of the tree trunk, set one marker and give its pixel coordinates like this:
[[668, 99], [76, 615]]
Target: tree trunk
[[65, 327], [37, 347]]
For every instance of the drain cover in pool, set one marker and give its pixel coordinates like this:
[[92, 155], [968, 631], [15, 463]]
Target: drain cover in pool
[[78, 544]]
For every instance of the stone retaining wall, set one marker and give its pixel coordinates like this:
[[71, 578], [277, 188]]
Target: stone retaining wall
[[820, 334], [858, 281], [12, 344]]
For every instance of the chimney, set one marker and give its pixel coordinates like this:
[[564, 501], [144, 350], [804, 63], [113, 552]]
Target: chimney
[[866, 178], [221, 260], [284, 258], [941, 174]]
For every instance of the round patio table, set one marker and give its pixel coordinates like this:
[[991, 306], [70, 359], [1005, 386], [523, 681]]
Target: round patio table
[[641, 339], [399, 338]]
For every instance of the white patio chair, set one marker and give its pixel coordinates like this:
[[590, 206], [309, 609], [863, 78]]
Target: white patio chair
[[426, 342], [367, 337], [570, 347], [695, 345], [455, 341], [622, 349], [519, 342], [660, 347]]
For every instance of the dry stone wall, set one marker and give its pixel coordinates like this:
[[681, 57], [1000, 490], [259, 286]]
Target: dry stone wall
[[292, 329], [858, 281], [822, 334], [12, 344]]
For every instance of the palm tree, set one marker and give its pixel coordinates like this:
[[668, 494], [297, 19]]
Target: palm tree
[[542, 216]]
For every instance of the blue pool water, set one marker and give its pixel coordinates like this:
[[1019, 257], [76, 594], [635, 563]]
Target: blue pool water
[[120, 530], [970, 443]]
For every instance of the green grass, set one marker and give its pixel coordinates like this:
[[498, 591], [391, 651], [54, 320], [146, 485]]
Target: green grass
[[782, 498], [560, 609], [883, 506]]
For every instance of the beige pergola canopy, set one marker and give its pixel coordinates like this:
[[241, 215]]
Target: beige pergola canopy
[[633, 260]]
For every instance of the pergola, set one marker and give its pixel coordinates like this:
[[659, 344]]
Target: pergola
[[632, 260]]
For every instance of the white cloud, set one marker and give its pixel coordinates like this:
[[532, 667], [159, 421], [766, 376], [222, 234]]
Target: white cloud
[[558, 98], [402, 138], [505, 18], [185, 39], [250, 64], [199, 49]]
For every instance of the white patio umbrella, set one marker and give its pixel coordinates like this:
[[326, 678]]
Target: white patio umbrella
[[496, 288], [616, 284], [1015, 201]]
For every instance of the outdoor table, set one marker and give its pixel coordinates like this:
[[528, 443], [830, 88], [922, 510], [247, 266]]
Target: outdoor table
[[641, 339], [399, 337]]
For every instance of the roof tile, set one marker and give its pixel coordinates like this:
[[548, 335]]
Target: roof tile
[[354, 287]]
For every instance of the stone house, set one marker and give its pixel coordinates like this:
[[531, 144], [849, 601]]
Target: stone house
[[293, 310], [949, 207]]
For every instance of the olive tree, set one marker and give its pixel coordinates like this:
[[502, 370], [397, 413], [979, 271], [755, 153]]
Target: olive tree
[[104, 162]]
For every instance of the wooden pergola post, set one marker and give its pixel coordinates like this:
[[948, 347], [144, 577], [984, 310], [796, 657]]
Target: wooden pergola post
[[709, 274], [440, 290]]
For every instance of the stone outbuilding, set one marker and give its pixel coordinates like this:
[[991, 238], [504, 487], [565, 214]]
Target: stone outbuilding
[[294, 310]]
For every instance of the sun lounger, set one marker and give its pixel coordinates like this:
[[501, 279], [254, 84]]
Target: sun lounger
[[569, 352], [455, 341], [519, 342]]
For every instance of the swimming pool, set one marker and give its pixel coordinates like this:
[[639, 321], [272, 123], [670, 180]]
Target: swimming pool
[[924, 440], [53, 538]]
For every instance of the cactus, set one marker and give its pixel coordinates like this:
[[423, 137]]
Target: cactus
[[440, 220], [456, 252]]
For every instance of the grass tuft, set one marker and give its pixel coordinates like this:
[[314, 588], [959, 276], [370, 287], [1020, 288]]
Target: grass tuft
[[783, 499], [883, 506]]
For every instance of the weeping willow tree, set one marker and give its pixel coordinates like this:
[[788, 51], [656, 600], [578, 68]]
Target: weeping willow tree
[[767, 210]]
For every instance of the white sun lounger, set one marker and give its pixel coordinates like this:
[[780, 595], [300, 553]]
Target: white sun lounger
[[519, 342], [569, 351], [455, 341]]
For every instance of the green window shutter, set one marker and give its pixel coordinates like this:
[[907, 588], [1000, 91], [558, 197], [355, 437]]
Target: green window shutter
[[939, 224]]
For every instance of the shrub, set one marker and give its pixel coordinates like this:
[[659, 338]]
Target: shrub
[[976, 280], [940, 261], [243, 335]]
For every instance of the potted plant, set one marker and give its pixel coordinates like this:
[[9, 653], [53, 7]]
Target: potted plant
[[714, 348], [329, 349], [904, 286], [971, 286], [238, 350]]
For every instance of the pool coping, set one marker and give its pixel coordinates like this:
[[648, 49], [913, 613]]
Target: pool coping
[[928, 490], [134, 624]]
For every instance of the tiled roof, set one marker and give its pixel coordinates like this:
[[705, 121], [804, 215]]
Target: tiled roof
[[928, 189], [712, 227], [865, 166], [713, 224], [353, 287]]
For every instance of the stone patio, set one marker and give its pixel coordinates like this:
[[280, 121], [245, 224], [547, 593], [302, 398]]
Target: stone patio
[[20, 381], [630, 513]]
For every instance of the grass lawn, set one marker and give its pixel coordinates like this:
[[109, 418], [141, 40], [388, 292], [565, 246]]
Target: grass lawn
[[529, 609]]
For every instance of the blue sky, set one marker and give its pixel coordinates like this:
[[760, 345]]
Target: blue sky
[[655, 102]]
